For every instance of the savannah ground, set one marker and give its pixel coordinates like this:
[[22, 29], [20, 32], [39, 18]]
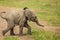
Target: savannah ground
[[48, 13]]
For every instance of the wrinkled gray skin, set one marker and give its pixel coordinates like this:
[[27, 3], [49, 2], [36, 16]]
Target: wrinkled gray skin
[[20, 18]]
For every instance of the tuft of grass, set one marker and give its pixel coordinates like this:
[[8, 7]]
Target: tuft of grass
[[11, 38], [44, 35]]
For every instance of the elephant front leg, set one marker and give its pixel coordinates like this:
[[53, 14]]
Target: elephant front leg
[[29, 28], [11, 31], [21, 31]]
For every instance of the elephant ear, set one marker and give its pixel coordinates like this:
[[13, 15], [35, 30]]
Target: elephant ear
[[29, 14]]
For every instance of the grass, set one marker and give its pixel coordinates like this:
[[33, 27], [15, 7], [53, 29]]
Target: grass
[[11, 38], [52, 18], [51, 14], [44, 35]]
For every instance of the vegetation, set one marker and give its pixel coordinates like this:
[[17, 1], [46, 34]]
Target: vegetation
[[44, 35], [50, 13], [10, 38]]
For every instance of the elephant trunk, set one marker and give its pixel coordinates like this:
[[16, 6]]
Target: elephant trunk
[[39, 23]]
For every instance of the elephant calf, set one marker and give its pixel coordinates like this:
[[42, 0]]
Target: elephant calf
[[20, 18]]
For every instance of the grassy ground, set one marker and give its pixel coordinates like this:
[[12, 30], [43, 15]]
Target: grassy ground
[[10, 38], [44, 35], [51, 14]]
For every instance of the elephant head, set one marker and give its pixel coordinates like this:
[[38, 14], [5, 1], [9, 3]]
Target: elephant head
[[31, 16]]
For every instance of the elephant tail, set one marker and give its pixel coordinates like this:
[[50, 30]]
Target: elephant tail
[[2, 16]]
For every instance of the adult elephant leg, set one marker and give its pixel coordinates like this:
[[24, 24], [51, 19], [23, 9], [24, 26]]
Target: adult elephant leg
[[10, 26]]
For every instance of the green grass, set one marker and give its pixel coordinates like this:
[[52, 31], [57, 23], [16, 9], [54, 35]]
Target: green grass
[[44, 35], [52, 18], [11, 38]]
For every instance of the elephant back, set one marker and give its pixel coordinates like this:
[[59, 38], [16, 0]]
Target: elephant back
[[15, 15]]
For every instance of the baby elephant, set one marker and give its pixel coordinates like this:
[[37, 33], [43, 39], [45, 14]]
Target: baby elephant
[[20, 18]]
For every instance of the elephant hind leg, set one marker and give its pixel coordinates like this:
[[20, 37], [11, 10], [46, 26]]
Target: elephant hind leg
[[12, 31], [10, 26]]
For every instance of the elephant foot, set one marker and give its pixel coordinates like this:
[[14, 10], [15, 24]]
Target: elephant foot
[[30, 33], [12, 34], [20, 34], [3, 32]]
